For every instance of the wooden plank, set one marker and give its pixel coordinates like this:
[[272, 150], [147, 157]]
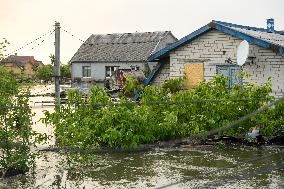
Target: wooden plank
[[194, 74]]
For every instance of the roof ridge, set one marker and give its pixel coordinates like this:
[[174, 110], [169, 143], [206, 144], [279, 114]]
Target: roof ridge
[[246, 27], [121, 33]]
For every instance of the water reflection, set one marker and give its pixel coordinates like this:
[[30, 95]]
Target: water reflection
[[192, 168]]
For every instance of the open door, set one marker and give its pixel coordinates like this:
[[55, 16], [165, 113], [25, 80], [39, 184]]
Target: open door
[[194, 74]]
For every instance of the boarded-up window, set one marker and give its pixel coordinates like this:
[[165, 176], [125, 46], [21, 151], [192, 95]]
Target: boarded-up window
[[232, 72], [194, 73]]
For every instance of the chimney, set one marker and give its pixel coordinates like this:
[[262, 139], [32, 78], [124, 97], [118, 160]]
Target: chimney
[[270, 25]]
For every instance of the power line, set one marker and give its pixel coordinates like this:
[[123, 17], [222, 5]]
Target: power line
[[42, 41], [31, 42], [78, 38]]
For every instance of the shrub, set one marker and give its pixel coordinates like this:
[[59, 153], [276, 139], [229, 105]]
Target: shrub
[[15, 127], [160, 116]]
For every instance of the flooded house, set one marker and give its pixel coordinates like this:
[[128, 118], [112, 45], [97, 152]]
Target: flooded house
[[100, 56], [25, 65], [213, 49]]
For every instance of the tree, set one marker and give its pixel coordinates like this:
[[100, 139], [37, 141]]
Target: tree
[[52, 59], [65, 71], [45, 72], [16, 133], [3, 46]]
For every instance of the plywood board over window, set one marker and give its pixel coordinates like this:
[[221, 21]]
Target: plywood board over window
[[194, 74]]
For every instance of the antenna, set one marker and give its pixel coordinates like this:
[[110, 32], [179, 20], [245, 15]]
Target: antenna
[[243, 52]]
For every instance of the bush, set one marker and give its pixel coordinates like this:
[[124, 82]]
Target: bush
[[15, 127], [173, 85], [131, 86], [187, 112], [44, 72]]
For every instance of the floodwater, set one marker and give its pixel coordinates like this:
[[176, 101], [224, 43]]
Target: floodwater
[[194, 167], [187, 167]]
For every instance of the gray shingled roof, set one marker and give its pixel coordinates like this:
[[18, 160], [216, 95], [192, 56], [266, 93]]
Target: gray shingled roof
[[123, 47], [274, 38]]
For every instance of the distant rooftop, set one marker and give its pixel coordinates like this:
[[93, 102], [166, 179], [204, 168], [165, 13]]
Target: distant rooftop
[[21, 60]]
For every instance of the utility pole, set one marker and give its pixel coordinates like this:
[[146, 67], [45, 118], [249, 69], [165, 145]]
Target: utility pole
[[57, 65]]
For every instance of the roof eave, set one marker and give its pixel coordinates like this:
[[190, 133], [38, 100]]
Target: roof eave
[[212, 25], [164, 52], [246, 27], [250, 39]]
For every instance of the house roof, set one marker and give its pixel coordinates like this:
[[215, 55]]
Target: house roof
[[119, 47], [20, 61], [254, 35]]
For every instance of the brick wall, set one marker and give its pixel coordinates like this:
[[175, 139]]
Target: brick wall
[[214, 48], [266, 64], [162, 75]]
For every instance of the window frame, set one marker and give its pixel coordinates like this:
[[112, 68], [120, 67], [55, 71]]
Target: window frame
[[230, 69], [88, 71], [110, 71]]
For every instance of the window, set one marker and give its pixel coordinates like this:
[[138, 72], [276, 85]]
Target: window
[[232, 72], [110, 70], [135, 68], [86, 71]]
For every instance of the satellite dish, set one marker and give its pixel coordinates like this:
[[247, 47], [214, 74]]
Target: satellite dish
[[243, 52]]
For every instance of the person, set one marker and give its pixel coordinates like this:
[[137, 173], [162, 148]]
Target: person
[[122, 78], [107, 84]]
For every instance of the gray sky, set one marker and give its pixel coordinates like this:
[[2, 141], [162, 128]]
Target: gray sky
[[23, 21]]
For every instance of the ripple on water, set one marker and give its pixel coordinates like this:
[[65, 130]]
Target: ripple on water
[[190, 167]]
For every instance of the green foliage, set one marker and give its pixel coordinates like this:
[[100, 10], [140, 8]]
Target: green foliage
[[44, 72], [173, 85], [15, 126], [52, 59], [271, 121], [94, 123], [3, 44], [131, 86], [65, 71]]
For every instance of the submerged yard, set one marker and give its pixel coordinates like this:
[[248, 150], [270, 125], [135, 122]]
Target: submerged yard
[[195, 167]]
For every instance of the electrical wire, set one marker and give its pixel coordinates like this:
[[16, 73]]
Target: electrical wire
[[29, 43], [78, 38], [42, 41]]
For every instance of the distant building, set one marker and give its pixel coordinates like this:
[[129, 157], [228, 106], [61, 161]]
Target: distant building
[[25, 65], [212, 50], [99, 57]]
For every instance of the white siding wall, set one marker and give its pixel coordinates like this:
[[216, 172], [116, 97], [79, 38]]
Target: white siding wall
[[98, 69]]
